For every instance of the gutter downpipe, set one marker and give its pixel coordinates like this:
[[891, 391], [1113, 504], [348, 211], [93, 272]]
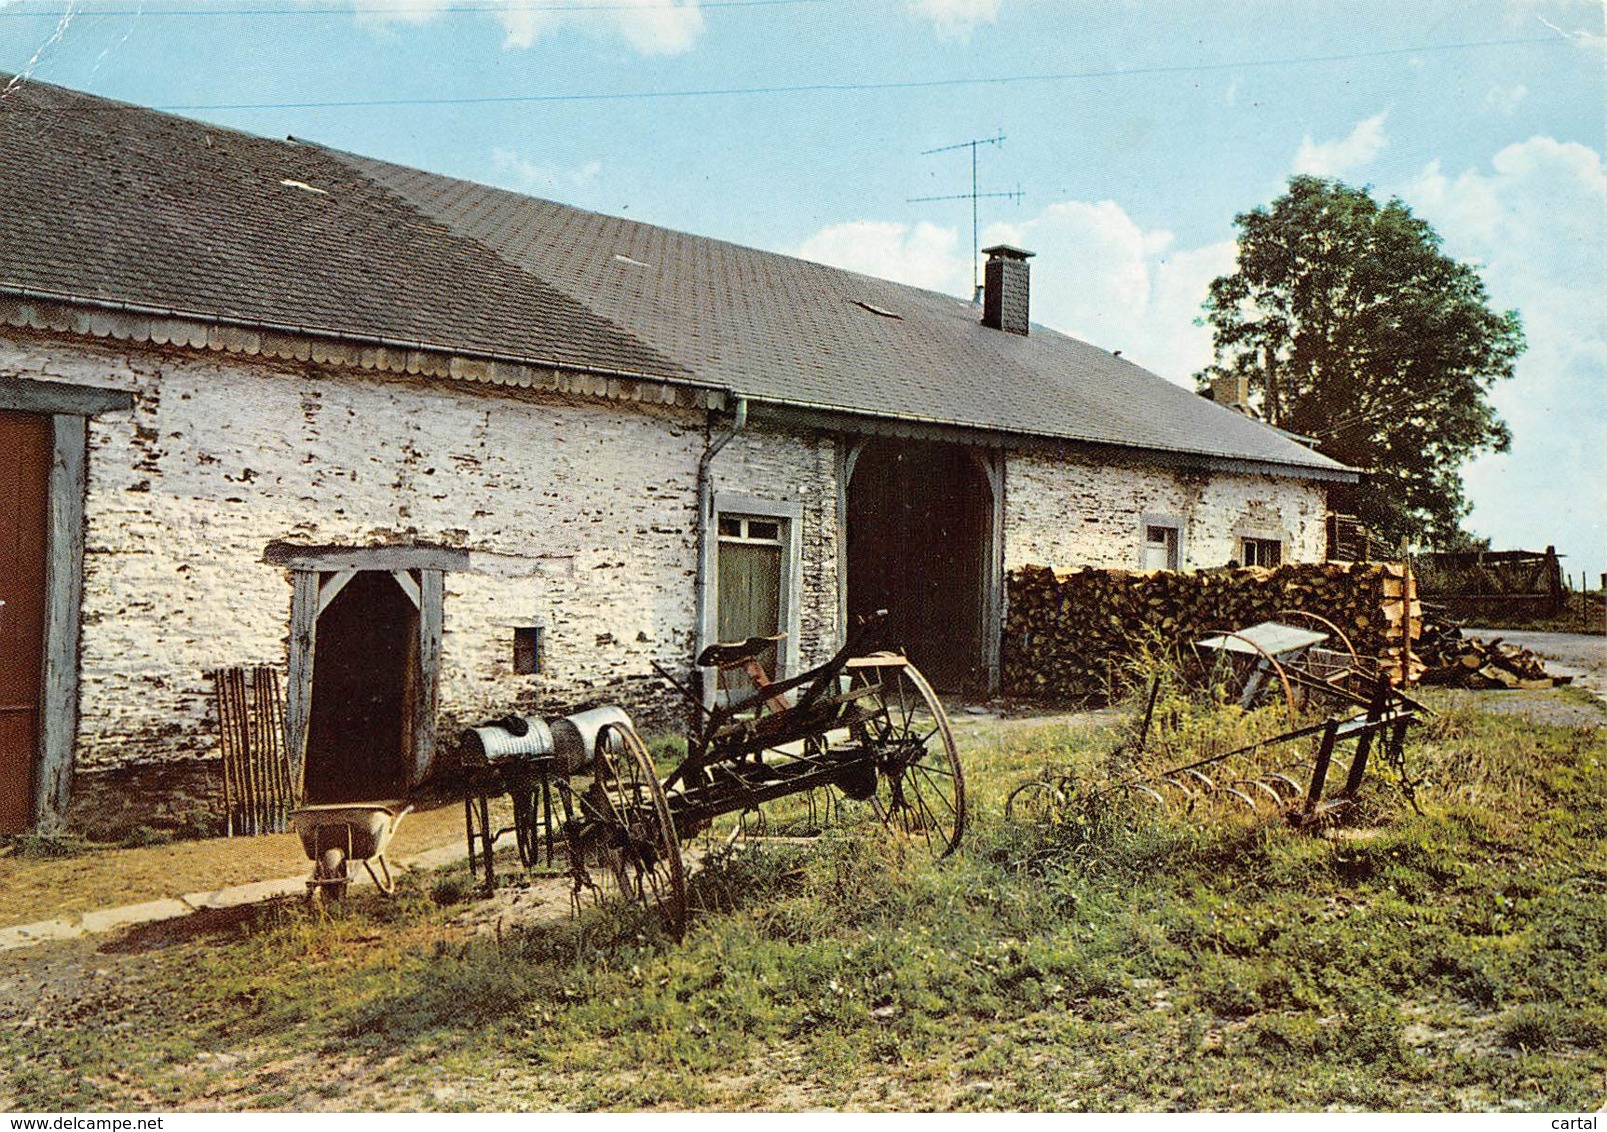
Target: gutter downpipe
[[705, 515]]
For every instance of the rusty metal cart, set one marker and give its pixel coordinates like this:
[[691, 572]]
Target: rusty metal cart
[[866, 724]]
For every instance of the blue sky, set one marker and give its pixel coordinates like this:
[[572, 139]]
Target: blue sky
[[1134, 130]]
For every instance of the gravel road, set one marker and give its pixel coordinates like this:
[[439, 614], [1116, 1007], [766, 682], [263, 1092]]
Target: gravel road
[[1580, 655]]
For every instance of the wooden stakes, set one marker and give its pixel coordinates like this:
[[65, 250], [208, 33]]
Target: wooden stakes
[[258, 792]]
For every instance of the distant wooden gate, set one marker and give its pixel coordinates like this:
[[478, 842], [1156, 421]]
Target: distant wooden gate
[[1477, 583], [25, 451]]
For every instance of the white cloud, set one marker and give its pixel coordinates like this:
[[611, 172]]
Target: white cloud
[[1505, 99], [652, 27], [1102, 277], [1536, 224], [956, 19], [516, 172], [1097, 275], [1331, 158], [922, 256]]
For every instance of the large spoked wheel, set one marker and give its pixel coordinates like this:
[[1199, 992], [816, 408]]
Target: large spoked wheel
[[920, 791], [623, 830]]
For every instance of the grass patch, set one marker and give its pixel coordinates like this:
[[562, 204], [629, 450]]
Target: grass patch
[[1134, 961]]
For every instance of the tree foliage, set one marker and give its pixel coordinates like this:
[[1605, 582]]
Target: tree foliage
[[1353, 328]]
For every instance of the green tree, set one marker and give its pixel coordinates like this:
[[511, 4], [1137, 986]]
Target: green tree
[[1354, 329]]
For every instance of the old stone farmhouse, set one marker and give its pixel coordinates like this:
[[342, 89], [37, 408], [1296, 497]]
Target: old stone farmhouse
[[263, 402]]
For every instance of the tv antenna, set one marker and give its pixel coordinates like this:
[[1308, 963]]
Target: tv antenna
[[973, 196]]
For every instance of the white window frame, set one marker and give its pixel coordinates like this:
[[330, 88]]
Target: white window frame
[[1246, 540], [1171, 522], [790, 517]]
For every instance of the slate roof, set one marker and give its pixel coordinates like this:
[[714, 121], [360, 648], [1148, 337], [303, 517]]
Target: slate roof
[[105, 201]]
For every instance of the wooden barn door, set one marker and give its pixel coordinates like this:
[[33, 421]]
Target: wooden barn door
[[748, 599], [25, 453]]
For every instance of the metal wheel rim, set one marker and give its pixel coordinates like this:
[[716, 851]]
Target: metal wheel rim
[[1036, 802], [643, 857], [920, 796]]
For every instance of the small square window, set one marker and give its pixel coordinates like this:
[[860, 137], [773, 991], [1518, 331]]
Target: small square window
[[527, 651], [764, 529], [1160, 550], [1261, 551], [731, 526]]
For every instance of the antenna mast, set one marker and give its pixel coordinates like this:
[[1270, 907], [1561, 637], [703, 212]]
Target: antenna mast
[[973, 196]]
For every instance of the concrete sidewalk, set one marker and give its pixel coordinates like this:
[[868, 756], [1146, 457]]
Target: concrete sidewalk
[[175, 907]]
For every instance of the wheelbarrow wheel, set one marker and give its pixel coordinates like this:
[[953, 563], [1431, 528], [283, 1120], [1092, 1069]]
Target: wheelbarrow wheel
[[330, 875], [624, 829], [920, 790]]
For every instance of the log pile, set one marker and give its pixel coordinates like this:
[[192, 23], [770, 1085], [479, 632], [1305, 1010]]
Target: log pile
[[1456, 661], [1070, 636]]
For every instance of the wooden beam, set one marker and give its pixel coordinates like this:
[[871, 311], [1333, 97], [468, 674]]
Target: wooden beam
[[993, 631], [61, 398], [64, 595], [298, 690], [333, 559], [329, 588], [430, 623], [411, 588]]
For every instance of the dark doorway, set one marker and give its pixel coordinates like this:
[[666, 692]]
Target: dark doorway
[[25, 453], [364, 682], [919, 537]]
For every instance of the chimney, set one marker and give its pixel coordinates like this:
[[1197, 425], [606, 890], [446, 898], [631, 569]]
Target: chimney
[[1005, 284], [1232, 390]]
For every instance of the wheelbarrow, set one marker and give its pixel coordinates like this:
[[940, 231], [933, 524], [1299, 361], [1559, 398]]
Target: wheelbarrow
[[333, 836]]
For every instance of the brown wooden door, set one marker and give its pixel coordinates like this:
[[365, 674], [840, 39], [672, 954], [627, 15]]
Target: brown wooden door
[[25, 447]]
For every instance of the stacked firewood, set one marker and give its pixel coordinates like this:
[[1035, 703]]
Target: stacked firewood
[[1074, 635], [1468, 662]]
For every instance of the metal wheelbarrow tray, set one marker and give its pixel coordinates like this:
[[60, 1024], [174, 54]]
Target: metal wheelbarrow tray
[[335, 835]]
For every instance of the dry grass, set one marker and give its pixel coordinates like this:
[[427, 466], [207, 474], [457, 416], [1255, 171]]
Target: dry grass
[[36, 888], [1451, 960]]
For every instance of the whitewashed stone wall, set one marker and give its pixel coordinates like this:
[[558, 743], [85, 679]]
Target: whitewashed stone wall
[[1066, 511], [578, 515], [786, 467]]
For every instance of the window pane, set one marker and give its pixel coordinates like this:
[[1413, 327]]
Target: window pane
[[730, 526], [1262, 551], [526, 651], [764, 529]]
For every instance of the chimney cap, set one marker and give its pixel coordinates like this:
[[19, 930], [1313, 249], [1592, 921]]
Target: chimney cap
[[1005, 251]]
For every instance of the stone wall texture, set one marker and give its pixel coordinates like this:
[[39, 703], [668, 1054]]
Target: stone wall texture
[[579, 515], [1067, 511]]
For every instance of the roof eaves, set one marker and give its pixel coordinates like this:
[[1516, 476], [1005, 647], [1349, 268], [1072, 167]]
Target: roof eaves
[[1324, 468], [266, 326]]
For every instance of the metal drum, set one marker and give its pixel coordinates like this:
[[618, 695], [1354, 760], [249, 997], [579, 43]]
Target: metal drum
[[496, 742], [574, 737]]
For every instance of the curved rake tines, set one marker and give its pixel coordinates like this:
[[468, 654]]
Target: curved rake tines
[[621, 825], [920, 790], [1038, 802]]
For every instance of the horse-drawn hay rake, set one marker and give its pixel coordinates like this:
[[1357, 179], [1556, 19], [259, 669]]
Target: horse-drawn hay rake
[[1281, 667]]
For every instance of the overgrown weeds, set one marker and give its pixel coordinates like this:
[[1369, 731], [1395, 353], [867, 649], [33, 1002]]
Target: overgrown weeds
[[1141, 959]]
